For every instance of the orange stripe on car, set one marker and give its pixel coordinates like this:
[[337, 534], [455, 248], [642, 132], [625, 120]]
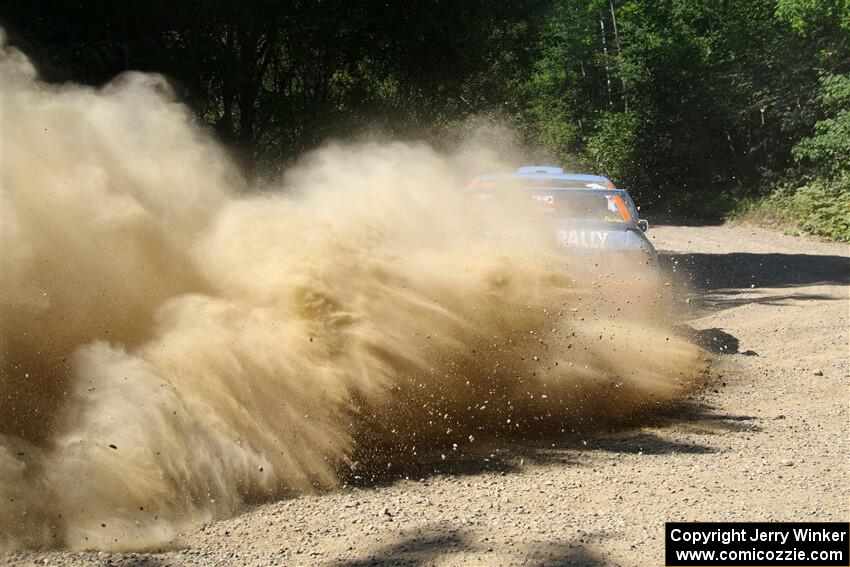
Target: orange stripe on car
[[622, 207]]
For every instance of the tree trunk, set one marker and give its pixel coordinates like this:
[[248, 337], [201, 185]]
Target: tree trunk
[[619, 54], [247, 98], [225, 123], [607, 67]]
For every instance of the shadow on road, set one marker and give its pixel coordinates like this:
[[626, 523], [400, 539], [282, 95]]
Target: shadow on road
[[701, 418], [427, 545], [729, 299], [662, 219], [134, 560], [508, 455], [637, 442], [418, 549], [740, 270]]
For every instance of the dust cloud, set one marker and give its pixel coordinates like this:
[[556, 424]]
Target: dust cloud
[[175, 346]]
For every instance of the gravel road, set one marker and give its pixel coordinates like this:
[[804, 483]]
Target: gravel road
[[767, 439]]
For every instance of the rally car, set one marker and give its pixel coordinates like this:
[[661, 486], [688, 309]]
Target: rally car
[[589, 214]]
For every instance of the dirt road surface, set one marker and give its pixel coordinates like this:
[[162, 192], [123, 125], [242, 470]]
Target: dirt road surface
[[767, 439]]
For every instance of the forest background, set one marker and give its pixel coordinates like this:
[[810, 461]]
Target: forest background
[[704, 109]]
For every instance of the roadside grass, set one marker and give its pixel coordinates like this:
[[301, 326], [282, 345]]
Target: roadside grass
[[820, 207]]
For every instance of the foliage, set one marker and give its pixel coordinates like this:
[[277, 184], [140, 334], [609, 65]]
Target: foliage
[[612, 146], [816, 196], [803, 15], [827, 152], [697, 106], [819, 207], [274, 78], [823, 208]]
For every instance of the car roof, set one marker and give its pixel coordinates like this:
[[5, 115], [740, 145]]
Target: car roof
[[546, 172]]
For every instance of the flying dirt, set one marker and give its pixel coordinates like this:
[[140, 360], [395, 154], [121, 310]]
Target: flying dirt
[[176, 344]]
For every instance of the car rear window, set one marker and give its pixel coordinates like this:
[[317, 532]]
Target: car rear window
[[594, 205], [591, 205]]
